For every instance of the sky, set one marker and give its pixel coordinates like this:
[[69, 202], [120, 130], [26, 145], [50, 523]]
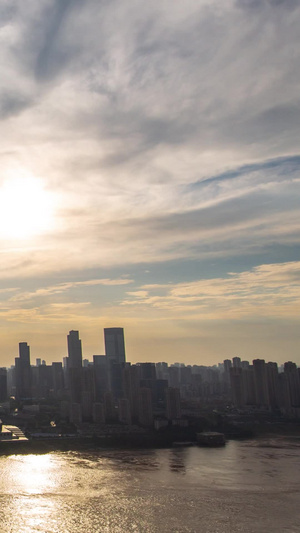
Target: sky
[[149, 178]]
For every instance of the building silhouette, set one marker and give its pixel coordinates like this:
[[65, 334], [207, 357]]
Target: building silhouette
[[114, 344], [74, 350], [173, 409], [3, 384], [74, 370], [23, 372], [261, 383], [109, 390]]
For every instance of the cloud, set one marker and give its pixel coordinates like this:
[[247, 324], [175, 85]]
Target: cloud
[[65, 287], [49, 314], [165, 131], [271, 290], [263, 4], [234, 213]]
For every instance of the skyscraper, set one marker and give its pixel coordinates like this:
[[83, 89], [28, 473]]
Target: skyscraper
[[261, 383], [23, 372], [74, 369], [74, 350], [236, 361], [24, 353], [114, 344], [291, 371]]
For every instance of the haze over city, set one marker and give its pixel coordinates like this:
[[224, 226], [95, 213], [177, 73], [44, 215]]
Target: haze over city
[[149, 178]]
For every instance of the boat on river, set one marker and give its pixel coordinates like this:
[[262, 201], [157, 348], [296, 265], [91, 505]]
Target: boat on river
[[211, 439]]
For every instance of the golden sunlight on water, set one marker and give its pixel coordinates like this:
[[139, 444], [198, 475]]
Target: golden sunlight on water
[[248, 487], [30, 480], [34, 473]]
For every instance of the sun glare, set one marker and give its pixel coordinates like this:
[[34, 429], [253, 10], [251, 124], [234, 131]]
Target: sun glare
[[35, 473], [26, 209]]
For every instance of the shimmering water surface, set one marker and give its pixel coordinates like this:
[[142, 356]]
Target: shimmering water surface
[[250, 486]]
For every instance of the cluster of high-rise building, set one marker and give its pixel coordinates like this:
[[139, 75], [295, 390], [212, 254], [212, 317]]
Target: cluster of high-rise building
[[109, 389], [106, 390], [262, 385]]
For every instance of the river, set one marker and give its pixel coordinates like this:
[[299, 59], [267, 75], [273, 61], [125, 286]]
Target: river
[[247, 486]]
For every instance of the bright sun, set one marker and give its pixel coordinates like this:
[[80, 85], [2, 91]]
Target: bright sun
[[26, 209]]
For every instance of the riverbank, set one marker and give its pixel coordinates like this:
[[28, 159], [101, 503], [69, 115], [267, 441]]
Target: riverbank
[[133, 441]]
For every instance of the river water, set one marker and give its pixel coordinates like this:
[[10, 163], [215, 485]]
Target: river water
[[250, 486]]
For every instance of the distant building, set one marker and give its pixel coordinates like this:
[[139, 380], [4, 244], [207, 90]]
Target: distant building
[[116, 359], [88, 392], [131, 386], [100, 376], [173, 403], [74, 350], [75, 384], [237, 386], [44, 383], [87, 405], [148, 371], [114, 344], [58, 379], [245, 365], [145, 407], [237, 363], [109, 408], [273, 384], [3, 384], [74, 367], [23, 372], [262, 398], [124, 411], [174, 377], [291, 371], [227, 364]]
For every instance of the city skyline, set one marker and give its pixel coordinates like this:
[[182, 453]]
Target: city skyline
[[149, 178], [112, 388], [114, 352]]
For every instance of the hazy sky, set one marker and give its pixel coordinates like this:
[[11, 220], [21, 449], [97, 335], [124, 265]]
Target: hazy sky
[[149, 177]]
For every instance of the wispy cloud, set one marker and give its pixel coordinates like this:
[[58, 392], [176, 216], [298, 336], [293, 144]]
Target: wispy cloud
[[64, 287], [266, 290], [163, 131]]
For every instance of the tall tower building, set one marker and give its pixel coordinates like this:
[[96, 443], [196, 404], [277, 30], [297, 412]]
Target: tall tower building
[[273, 384], [261, 383], [236, 361], [131, 385], [74, 371], [115, 355], [24, 353], [291, 371], [114, 344], [237, 386], [74, 350], [23, 372], [227, 364]]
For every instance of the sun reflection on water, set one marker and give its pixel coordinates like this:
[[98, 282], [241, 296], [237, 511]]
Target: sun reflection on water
[[34, 474], [32, 482]]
